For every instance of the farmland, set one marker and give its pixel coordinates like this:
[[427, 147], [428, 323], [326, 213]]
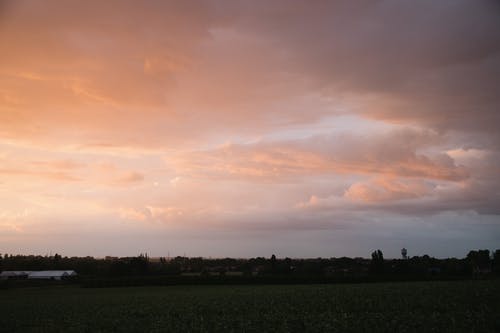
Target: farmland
[[459, 306]]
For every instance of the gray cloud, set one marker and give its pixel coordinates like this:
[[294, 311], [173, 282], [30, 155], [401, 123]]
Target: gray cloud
[[435, 64]]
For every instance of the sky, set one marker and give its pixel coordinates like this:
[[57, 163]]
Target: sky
[[249, 128]]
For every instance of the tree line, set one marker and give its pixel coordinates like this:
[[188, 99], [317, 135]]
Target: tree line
[[476, 263]]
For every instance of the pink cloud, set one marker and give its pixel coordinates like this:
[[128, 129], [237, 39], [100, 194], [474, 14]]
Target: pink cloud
[[394, 153], [388, 189]]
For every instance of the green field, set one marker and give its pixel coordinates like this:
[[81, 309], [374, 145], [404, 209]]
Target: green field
[[467, 306]]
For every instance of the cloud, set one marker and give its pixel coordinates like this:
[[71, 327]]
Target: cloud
[[109, 174], [131, 177], [432, 64], [178, 79], [77, 77], [58, 164], [394, 153], [53, 170], [383, 189], [338, 115]]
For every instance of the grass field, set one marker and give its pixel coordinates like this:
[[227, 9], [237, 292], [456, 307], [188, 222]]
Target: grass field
[[467, 306]]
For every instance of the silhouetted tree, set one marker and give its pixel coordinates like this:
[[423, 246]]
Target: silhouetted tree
[[273, 263], [377, 256], [377, 263], [479, 260]]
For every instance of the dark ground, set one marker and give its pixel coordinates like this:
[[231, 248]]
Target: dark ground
[[453, 306]]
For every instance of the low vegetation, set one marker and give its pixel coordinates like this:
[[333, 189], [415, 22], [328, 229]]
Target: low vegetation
[[457, 306]]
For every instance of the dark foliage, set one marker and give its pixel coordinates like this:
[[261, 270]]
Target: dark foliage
[[142, 270]]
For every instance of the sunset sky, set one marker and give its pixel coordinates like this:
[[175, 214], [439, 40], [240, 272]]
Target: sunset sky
[[247, 128]]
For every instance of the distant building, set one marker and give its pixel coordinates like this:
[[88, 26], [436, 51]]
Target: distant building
[[47, 275], [14, 275], [404, 253], [51, 275]]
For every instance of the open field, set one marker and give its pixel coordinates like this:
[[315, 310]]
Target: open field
[[466, 306]]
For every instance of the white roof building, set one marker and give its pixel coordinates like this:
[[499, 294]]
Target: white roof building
[[14, 274], [50, 275]]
